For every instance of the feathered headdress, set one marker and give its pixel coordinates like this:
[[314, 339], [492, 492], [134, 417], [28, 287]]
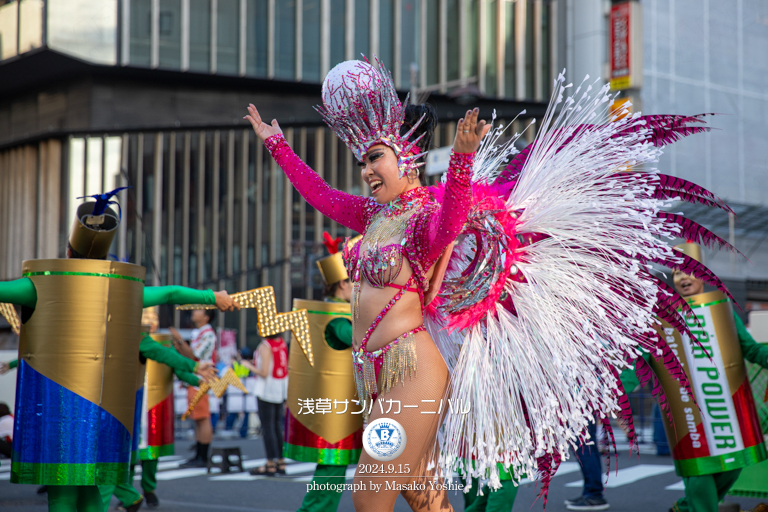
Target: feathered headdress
[[361, 106]]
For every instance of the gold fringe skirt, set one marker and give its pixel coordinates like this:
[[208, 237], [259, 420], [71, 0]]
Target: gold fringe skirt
[[395, 360]]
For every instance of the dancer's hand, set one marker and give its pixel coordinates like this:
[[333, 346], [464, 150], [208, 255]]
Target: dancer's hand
[[207, 372], [469, 132], [262, 129], [4, 368], [224, 302]]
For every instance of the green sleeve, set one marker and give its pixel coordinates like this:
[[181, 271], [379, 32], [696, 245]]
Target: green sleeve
[[13, 364], [751, 350], [19, 291], [156, 295], [338, 333], [188, 377], [628, 377], [151, 349]]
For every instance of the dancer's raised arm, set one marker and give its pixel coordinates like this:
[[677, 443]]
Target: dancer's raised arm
[[347, 209], [446, 226]]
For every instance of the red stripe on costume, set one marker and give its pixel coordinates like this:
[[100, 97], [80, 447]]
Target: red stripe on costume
[[299, 435], [160, 423], [744, 403]]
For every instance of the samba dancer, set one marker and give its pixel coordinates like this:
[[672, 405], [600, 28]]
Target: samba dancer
[[535, 309], [401, 211]]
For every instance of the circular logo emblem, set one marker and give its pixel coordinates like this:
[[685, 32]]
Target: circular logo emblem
[[384, 439]]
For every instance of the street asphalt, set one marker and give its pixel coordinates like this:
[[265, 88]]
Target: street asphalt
[[640, 485]]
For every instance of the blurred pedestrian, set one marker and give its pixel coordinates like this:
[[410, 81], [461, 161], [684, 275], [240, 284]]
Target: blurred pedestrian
[[201, 348], [6, 430], [271, 369]]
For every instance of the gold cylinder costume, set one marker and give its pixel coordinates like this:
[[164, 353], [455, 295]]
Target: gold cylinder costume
[[157, 432], [78, 349], [723, 433], [333, 437]]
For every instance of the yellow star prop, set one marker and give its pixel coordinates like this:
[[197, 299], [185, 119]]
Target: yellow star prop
[[219, 386]]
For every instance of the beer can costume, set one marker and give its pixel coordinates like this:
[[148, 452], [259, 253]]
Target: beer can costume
[[331, 439], [322, 438], [141, 376], [723, 433], [78, 349], [157, 429]]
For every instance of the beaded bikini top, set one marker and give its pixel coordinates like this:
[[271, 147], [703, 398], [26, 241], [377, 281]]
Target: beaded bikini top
[[380, 266]]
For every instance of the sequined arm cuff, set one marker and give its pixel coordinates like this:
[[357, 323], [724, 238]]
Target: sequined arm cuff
[[273, 142], [460, 166]]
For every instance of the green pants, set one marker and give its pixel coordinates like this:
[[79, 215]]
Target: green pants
[[500, 500], [126, 493], [149, 475], [703, 493], [316, 500], [70, 498]]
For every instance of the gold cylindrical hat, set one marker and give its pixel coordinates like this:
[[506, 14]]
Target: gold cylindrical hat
[[92, 235], [691, 249], [332, 269]]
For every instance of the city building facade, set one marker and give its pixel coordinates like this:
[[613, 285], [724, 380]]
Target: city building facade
[[150, 94]]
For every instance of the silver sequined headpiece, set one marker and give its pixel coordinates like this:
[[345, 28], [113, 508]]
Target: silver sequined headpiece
[[361, 106]]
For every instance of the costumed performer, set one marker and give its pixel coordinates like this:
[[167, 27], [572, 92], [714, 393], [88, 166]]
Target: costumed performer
[[404, 233], [153, 417], [334, 439], [270, 366], [545, 296], [713, 429], [69, 307], [201, 348]]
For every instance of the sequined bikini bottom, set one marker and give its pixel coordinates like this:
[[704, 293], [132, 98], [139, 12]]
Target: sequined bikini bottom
[[396, 359]]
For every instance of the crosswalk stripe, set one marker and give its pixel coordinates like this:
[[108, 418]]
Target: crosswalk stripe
[[679, 486], [630, 475], [564, 469]]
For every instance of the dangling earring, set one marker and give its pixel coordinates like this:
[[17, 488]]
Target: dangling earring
[[413, 174]]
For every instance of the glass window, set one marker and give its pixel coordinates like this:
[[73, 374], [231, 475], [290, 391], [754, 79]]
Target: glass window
[[338, 31], [8, 29], [200, 35], [546, 77], [433, 42], [471, 48], [194, 185], [76, 175], [285, 39], [490, 49], [65, 29], [93, 170], [310, 33], [141, 32], [452, 6], [148, 207], [256, 37], [387, 33], [509, 50], [362, 28], [530, 44], [31, 25], [227, 36], [170, 34], [411, 35]]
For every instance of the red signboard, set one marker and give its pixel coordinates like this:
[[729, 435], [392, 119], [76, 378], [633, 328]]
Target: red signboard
[[621, 70]]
